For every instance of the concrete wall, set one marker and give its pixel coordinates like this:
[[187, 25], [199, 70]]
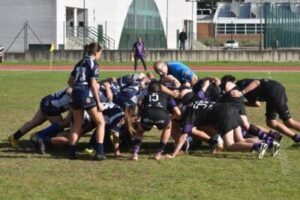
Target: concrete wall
[[204, 55], [41, 17]]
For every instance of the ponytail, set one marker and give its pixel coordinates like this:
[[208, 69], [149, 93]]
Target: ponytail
[[131, 112]]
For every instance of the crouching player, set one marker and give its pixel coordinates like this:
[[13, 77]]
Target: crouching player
[[273, 93], [51, 108], [155, 111], [227, 120]]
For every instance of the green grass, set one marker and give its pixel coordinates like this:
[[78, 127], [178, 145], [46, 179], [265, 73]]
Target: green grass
[[28, 175], [150, 63]]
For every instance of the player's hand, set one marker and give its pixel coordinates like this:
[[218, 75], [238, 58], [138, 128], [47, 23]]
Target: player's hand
[[236, 93], [170, 156], [100, 107], [206, 83], [175, 93]]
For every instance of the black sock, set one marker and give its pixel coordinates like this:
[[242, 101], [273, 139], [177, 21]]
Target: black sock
[[48, 141], [162, 146], [100, 148], [72, 150], [255, 131], [296, 138], [256, 146], [18, 134]]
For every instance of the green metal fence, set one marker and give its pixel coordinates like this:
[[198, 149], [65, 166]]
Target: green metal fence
[[282, 27]]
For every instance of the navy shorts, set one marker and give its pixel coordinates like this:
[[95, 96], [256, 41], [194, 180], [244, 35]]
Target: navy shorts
[[81, 99], [47, 108]]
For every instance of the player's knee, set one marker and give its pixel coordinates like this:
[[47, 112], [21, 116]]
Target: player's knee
[[288, 123], [272, 123]]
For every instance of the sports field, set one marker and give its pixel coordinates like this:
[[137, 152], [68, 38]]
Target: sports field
[[24, 174]]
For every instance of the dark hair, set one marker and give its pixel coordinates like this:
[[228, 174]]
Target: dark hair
[[93, 48], [154, 86], [85, 50], [228, 78]]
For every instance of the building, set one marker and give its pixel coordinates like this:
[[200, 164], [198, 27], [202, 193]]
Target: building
[[241, 21], [68, 24]]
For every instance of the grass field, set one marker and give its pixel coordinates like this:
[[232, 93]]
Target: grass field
[[25, 174]]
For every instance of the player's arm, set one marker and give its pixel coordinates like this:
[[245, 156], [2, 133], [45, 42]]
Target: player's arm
[[176, 113], [172, 107], [215, 80], [179, 145], [108, 91], [201, 93], [173, 93], [254, 84], [170, 78], [71, 81]]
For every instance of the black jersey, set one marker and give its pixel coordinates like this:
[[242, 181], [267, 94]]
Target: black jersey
[[198, 112], [212, 93], [201, 112], [237, 102], [158, 100], [84, 71]]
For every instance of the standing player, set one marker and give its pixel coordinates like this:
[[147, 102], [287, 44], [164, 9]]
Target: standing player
[[273, 93], [1, 53], [139, 53], [83, 80]]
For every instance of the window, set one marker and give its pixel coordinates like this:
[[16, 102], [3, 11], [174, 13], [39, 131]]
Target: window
[[240, 29], [250, 29], [230, 28], [221, 28]]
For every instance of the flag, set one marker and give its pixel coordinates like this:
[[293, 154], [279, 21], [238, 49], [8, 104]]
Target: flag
[[52, 48]]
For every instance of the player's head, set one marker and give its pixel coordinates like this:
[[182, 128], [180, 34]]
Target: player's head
[[227, 79], [160, 68], [95, 50], [139, 38], [154, 86]]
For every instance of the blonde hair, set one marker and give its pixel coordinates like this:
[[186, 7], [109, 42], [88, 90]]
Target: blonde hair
[[130, 112]]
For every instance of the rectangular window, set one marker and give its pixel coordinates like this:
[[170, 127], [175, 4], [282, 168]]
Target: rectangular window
[[221, 29], [240, 29], [230, 29], [250, 28]]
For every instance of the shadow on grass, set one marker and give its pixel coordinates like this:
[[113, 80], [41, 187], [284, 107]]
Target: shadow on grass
[[147, 148], [294, 146], [225, 155]]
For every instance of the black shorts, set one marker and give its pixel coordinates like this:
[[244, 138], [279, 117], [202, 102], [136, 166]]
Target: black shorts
[[155, 116], [81, 99], [227, 118], [47, 108], [276, 103], [240, 107]]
